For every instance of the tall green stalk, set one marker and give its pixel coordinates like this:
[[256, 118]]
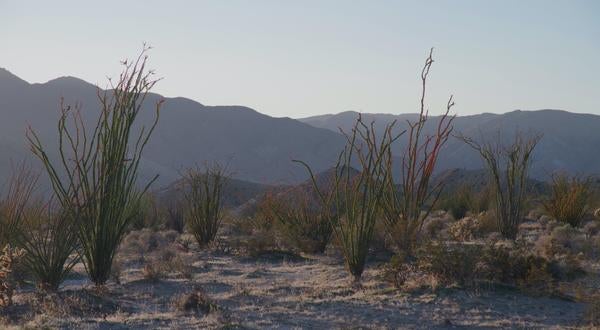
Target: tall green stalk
[[95, 179]]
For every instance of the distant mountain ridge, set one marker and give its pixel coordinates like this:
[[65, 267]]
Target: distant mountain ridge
[[259, 148], [570, 140], [254, 146]]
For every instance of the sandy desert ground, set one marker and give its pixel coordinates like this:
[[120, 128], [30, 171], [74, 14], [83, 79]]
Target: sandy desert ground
[[273, 291]]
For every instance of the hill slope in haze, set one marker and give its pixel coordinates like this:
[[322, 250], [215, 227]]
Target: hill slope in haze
[[570, 140], [255, 147], [259, 148]]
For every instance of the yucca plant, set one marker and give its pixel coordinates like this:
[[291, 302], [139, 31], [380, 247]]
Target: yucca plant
[[406, 206], [95, 178], [203, 196], [508, 168], [356, 196], [569, 199]]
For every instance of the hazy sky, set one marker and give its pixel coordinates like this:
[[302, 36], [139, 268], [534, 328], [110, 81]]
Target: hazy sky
[[301, 58]]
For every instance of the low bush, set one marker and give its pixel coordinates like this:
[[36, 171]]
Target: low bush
[[49, 240], [569, 199], [203, 196], [471, 265], [154, 270], [473, 227], [458, 202], [450, 264], [300, 220], [147, 214], [174, 217], [196, 301]]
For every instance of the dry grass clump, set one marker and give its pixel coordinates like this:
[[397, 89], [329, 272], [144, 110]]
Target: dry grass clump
[[174, 217], [196, 301], [204, 202], [80, 303], [147, 214], [300, 220], [154, 270], [569, 199], [145, 241], [459, 202]]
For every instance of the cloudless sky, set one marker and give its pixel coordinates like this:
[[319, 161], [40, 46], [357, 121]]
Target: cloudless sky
[[301, 58]]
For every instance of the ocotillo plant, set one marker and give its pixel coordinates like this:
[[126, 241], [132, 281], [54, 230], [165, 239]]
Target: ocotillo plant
[[406, 206], [203, 196], [95, 179], [508, 167], [356, 196]]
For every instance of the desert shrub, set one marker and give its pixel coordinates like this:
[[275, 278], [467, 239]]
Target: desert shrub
[[196, 301], [508, 168], [465, 229], [184, 243], [50, 242], [46, 236], [9, 259], [482, 199], [154, 270], [472, 227], [459, 202], [473, 265], [98, 185], [434, 227], [174, 217], [203, 190], [147, 214], [450, 264], [262, 242], [300, 220], [561, 240], [513, 265], [569, 199], [179, 265]]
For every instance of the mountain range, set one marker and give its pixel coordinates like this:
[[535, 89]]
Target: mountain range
[[260, 148]]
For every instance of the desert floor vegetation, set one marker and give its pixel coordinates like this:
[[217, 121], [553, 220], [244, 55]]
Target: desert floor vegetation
[[356, 246]]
